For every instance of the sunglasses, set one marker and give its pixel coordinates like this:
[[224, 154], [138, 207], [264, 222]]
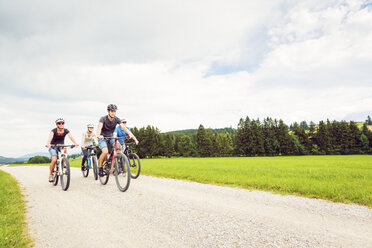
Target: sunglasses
[[61, 123]]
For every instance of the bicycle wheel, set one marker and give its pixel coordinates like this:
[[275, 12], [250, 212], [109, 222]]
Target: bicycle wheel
[[135, 165], [95, 167], [55, 175], [122, 172], [85, 171], [106, 173], [65, 174]]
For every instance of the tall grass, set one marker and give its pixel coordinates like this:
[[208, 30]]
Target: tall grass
[[13, 229]]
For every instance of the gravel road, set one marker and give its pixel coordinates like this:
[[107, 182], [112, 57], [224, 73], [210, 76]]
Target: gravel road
[[158, 212]]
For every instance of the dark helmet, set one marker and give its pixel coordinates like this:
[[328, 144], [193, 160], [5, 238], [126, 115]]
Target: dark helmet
[[112, 107]]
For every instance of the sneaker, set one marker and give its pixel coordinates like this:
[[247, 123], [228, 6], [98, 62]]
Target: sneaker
[[100, 172]]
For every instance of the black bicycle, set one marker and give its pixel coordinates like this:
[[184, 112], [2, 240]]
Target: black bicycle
[[62, 167], [116, 163], [134, 160], [91, 162]]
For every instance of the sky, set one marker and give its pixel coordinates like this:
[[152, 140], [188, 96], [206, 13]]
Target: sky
[[178, 64]]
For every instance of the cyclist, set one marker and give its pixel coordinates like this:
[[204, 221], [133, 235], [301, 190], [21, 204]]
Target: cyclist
[[57, 136], [106, 127], [88, 139], [120, 132]]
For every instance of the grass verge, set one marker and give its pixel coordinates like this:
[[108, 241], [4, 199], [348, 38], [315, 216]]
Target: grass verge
[[13, 228], [345, 179]]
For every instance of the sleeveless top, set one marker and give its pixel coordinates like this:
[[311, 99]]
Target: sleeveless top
[[89, 141], [59, 138]]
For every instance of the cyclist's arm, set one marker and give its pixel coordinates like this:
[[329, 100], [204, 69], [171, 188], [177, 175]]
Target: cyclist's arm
[[125, 129], [72, 139], [99, 130], [50, 139]]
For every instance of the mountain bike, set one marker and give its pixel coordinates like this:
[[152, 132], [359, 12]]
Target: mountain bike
[[116, 163], [134, 161], [62, 167], [91, 161]]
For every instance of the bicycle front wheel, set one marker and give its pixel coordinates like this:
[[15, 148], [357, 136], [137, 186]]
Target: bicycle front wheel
[[85, 170], [106, 173], [95, 167], [122, 172], [135, 165], [65, 174]]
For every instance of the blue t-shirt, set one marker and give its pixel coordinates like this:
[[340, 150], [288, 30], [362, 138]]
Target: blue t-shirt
[[120, 133]]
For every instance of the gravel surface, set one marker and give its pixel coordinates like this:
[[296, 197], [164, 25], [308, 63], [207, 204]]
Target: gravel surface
[[157, 212]]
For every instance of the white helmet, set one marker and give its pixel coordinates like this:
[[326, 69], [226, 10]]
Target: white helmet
[[90, 125], [60, 120]]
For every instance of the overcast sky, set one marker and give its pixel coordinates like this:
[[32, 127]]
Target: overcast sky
[[178, 64]]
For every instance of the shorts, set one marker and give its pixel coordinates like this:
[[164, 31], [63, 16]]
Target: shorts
[[103, 143], [52, 152]]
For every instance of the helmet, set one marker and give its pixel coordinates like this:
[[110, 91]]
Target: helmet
[[90, 125], [112, 107], [123, 120], [60, 120]]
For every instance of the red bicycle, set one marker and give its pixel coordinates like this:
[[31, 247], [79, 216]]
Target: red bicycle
[[116, 163]]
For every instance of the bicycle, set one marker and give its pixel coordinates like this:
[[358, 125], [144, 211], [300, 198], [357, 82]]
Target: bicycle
[[91, 160], [134, 161], [116, 163], [62, 167]]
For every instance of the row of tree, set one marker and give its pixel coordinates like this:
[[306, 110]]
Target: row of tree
[[255, 138]]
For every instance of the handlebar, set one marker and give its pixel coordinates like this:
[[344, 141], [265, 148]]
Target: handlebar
[[62, 146]]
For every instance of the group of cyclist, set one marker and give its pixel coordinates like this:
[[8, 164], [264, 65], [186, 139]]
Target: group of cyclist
[[109, 126]]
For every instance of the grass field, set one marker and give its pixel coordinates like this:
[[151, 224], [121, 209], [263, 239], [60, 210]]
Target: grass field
[[337, 178], [13, 229]]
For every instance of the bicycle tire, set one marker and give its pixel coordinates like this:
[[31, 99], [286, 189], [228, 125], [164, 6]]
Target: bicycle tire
[[135, 165], [65, 174], [55, 175], [106, 174], [95, 167], [122, 172], [86, 170]]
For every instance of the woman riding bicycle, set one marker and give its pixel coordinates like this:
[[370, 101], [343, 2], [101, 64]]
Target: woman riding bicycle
[[106, 128], [88, 139], [57, 136], [120, 132]]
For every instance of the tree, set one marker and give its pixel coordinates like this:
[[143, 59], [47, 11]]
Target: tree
[[38, 160], [369, 121], [168, 145], [364, 143], [203, 142], [185, 146]]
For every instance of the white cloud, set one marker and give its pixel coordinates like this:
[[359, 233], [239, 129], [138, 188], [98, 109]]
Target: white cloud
[[176, 65]]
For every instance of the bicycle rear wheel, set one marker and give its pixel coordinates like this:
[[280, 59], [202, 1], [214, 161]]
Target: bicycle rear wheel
[[55, 175], [135, 165], [122, 172], [85, 171], [106, 173], [65, 174], [95, 167]]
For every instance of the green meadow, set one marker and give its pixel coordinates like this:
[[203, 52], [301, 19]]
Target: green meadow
[[13, 229], [337, 178]]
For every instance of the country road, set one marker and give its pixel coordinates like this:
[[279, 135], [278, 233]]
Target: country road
[[157, 212]]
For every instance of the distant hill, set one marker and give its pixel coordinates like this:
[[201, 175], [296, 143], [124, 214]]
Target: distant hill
[[194, 131], [5, 160]]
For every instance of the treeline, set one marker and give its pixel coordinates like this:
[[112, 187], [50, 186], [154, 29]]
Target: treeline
[[38, 160], [270, 137]]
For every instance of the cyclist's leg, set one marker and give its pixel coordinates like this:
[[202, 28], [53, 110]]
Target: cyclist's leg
[[53, 160], [103, 146], [85, 153]]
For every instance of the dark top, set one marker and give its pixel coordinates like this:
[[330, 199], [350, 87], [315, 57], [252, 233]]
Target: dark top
[[59, 138], [108, 127]]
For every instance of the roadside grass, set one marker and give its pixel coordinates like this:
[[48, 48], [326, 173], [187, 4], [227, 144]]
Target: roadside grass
[[13, 228], [345, 179], [339, 178]]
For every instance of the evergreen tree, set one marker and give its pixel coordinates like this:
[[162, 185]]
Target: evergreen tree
[[322, 138], [302, 137], [203, 142], [364, 144], [168, 145], [185, 147], [369, 121]]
